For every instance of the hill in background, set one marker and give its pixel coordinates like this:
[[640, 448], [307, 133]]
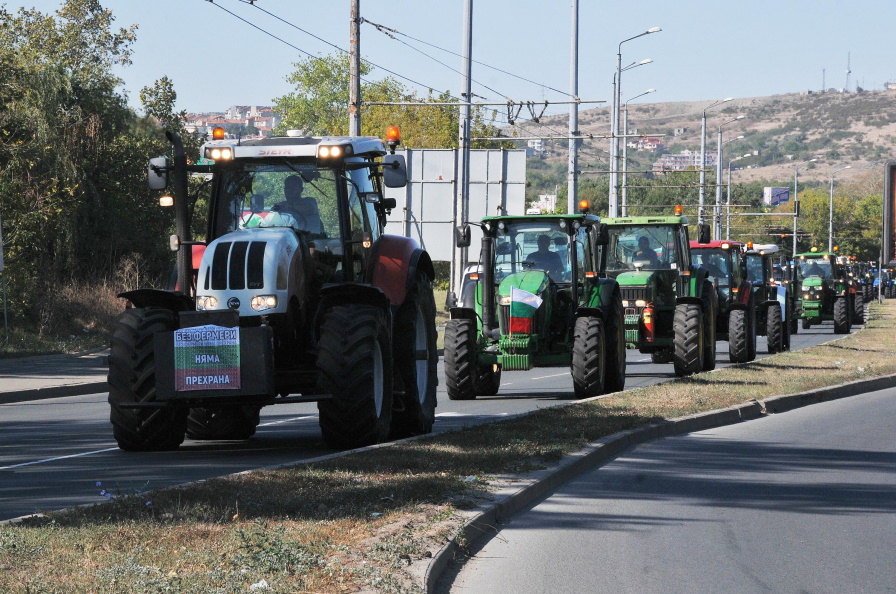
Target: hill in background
[[837, 129]]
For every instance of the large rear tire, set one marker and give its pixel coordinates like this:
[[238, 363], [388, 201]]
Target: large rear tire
[[460, 359], [738, 336], [687, 324], [842, 316], [588, 358], [774, 328], [354, 362], [614, 341], [236, 422], [416, 362], [753, 329], [132, 379]]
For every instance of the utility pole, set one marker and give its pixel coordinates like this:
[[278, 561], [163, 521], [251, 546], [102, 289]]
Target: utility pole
[[354, 51], [462, 200], [572, 191]]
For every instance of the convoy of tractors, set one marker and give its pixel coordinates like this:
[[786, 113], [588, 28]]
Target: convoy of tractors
[[297, 294]]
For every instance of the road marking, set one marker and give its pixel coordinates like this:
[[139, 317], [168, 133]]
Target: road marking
[[58, 458], [555, 375]]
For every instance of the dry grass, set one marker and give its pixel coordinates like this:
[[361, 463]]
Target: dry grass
[[357, 523]]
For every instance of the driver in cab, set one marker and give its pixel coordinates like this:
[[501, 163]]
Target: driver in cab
[[545, 259], [304, 210]]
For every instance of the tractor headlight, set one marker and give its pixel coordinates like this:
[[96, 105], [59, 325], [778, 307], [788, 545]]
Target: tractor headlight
[[264, 302], [204, 302]]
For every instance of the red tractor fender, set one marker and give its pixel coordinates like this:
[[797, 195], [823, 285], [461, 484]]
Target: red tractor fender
[[396, 262], [744, 293]]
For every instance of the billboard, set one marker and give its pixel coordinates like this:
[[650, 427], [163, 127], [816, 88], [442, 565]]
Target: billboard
[[425, 208], [889, 231], [773, 196]]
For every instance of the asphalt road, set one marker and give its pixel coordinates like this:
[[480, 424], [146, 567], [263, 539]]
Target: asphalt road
[[797, 502], [54, 452]]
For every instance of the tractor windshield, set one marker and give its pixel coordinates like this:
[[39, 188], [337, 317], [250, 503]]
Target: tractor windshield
[[820, 267], [528, 245], [716, 261], [285, 194], [648, 247]]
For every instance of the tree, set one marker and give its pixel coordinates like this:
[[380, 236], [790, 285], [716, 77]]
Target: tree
[[319, 106], [69, 152]]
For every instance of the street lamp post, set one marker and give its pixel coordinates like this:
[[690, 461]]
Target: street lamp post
[[700, 211], [728, 199], [831, 210], [717, 213], [796, 203], [614, 124], [625, 149]]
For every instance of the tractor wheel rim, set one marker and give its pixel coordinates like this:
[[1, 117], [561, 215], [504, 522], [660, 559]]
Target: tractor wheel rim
[[422, 365]]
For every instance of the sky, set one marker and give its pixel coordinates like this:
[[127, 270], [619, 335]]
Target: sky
[[705, 51]]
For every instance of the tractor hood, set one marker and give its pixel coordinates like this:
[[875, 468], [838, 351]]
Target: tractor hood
[[533, 281], [813, 281], [254, 271], [638, 278]]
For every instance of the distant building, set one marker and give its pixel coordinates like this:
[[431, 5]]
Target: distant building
[[890, 86], [535, 147], [679, 131], [684, 160]]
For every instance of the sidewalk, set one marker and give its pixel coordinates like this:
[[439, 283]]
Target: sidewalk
[[52, 376]]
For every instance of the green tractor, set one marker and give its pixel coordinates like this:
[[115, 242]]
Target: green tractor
[[825, 291], [538, 298], [670, 305]]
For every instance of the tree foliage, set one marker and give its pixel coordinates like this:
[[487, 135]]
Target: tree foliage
[[319, 106], [72, 153]]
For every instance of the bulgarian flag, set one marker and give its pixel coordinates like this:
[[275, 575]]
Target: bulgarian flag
[[522, 308]]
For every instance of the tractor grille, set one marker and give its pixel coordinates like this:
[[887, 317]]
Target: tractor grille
[[633, 293], [504, 319], [237, 265]]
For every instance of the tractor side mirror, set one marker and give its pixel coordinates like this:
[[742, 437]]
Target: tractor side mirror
[[601, 234], [157, 173], [395, 171], [462, 236], [704, 235]]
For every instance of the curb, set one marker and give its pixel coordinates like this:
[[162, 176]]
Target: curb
[[53, 392], [515, 498]]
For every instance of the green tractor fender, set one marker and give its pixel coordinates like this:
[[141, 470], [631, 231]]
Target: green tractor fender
[[599, 301]]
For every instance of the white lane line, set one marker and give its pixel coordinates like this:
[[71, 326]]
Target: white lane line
[[285, 421], [58, 458], [555, 375]]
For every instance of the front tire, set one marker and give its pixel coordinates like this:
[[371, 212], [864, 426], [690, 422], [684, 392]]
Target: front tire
[[806, 324], [710, 307], [689, 334], [614, 341], [416, 362], [588, 358], [859, 310], [842, 316], [460, 359], [132, 379], [774, 329], [355, 365], [738, 336]]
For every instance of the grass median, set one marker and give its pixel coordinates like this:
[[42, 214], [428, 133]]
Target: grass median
[[357, 523]]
